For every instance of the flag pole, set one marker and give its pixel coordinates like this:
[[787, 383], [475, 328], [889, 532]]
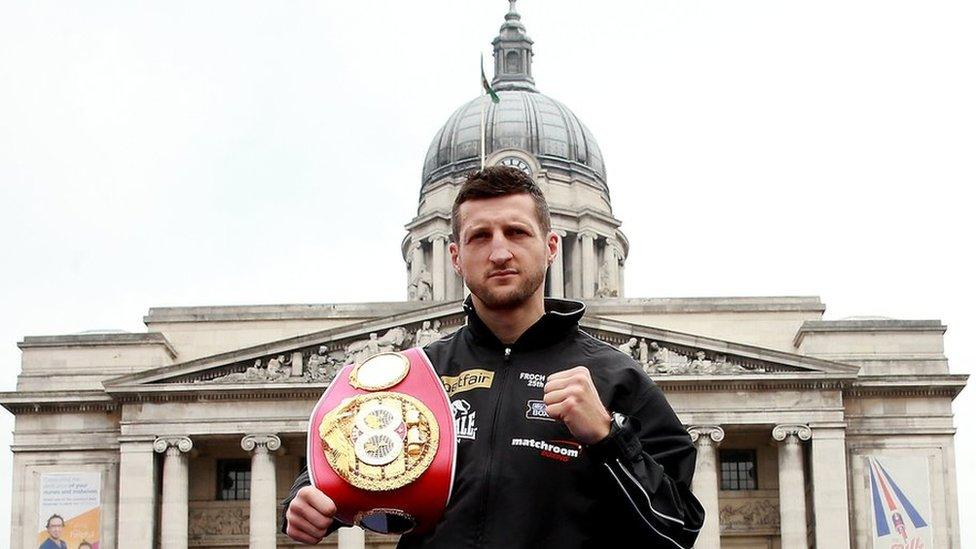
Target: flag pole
[[481, 90]]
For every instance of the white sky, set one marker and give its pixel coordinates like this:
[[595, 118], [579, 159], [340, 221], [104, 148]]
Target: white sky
[[188, 153]]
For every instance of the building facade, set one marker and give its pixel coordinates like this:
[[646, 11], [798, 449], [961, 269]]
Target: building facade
[[810, 432]]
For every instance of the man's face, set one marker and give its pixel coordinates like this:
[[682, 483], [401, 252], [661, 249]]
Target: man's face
[[54, 527], [501, 252]]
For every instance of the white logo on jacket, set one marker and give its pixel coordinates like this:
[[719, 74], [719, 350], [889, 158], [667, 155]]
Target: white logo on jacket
[[533, 380], [464, 419]]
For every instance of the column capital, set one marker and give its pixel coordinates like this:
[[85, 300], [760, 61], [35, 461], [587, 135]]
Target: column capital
[[791, 433], [180, 444], [439, 236], [706, 434], [587, 233], [561, 232], [261, 443]]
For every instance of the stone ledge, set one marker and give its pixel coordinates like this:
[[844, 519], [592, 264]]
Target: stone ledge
[[232, 313], [97, 340], [867, 326], [705, 305], [57, 401]]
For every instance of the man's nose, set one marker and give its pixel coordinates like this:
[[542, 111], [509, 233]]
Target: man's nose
[[499, 251]]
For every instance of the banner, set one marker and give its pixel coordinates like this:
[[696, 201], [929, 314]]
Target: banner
[[900, 511], [69, 512]]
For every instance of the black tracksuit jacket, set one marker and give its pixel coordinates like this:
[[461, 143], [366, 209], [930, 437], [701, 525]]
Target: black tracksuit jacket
[[521, 478]]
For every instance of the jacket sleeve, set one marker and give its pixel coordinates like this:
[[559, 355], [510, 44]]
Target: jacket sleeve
[[301, 481], [650, 463]]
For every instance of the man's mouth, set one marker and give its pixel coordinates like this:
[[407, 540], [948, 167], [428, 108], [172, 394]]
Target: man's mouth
[[503, 272]]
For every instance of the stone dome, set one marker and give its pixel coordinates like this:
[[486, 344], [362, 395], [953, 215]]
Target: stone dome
[[522, 119]]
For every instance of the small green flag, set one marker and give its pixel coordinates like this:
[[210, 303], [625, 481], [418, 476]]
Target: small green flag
[[484, 83]]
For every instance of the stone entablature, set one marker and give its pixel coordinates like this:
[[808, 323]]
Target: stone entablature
[[808, 407]]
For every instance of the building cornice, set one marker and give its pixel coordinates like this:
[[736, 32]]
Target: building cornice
[[937, 385], [19, 402], [679, 305], [867, 326], [97, 340], [236, 313]]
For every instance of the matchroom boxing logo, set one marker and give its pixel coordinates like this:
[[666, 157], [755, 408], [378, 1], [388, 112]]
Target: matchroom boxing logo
[[559, 450]]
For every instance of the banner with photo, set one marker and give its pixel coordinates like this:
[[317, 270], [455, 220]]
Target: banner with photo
[[901, 514], [75, 499]]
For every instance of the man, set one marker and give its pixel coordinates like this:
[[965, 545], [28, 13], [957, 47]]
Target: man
[[573, 445], [55, 525]]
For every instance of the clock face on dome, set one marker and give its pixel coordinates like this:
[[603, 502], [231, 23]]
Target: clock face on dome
[[516, 162]]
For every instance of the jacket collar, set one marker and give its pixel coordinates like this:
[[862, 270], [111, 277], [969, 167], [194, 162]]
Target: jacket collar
[[562, 316]]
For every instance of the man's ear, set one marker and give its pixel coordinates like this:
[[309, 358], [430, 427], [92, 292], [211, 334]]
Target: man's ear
[[455, 252], [552, 245]]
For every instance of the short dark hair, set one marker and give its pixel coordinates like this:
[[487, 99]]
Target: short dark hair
[[84, 544], [495, 181], [52, 517]]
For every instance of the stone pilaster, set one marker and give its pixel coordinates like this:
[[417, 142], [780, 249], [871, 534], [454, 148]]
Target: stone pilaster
[[439, 243], [792, 500], [705, 484], [137, 494], [557, 282], [589, 263], [828, 456], [174, 518], [264, 498]]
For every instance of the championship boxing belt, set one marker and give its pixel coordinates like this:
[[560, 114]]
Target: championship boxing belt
[[381, 443]]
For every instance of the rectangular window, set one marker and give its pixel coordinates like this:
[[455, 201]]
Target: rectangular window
[[738, 469], [233, 479]]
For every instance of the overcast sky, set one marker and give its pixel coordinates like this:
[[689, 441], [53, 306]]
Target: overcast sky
[[212, 153]]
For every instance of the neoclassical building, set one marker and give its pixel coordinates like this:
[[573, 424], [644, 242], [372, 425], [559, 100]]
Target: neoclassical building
[[811, 432]]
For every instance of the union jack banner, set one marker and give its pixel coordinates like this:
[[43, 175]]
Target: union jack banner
[[899, 522]]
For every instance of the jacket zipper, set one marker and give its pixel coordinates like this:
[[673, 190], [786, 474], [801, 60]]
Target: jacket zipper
[[491, 438]]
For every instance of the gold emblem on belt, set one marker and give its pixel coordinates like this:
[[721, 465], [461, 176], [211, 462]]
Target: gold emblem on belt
[[380, 441]]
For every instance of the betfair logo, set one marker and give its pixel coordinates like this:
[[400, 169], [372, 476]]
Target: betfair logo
[[467, 380]]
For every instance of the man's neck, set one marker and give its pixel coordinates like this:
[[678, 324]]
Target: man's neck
[[509, 324]]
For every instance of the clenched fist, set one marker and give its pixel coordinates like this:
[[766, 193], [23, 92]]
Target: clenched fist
[[571, 398], [309, 515]]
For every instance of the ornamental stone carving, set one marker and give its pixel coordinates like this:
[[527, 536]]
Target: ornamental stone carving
[[182, 444], [219, 521], [268, 443], [706, 434], [791, 432], [427, 333], [661, 360], [750, 515]]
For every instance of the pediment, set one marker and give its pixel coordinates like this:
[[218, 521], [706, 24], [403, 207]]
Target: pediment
[[308, 359], [314, 359], [666, 353]]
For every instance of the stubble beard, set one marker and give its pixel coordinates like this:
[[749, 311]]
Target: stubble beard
[[509, 298]]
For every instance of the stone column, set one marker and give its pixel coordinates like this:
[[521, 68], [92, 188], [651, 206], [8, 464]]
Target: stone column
[[453, 281], [174, 518], [705, 484], [439, 242], [589, 263], [137, 494], [556, 282], [828, 457], [614, 265], [792, 500], [621, 283], [264, 497]]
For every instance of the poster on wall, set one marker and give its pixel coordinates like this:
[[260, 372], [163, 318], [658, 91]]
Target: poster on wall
[[69, 511], [900, 511]]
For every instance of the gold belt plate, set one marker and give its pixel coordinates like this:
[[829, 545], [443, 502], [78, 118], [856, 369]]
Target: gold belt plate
[[380, 441]]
